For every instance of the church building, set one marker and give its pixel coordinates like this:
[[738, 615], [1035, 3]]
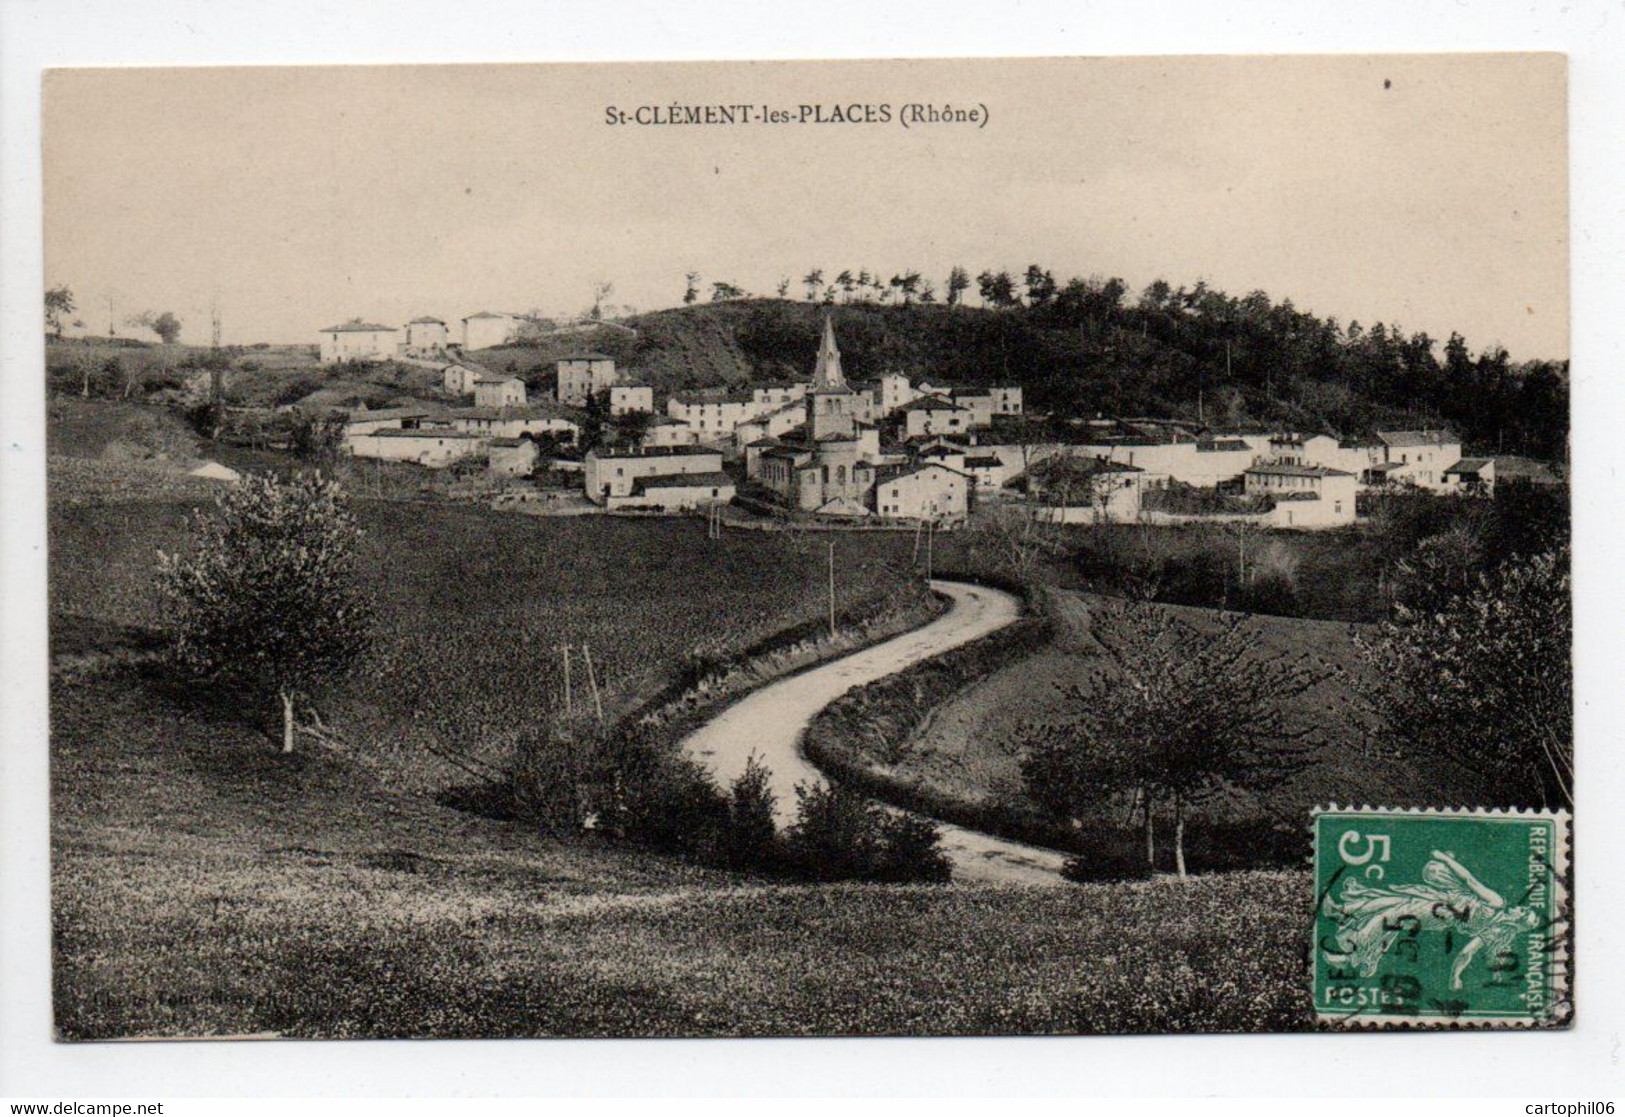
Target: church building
[[826, 465]]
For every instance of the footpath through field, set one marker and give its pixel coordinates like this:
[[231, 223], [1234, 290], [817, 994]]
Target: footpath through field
[[770, 722]]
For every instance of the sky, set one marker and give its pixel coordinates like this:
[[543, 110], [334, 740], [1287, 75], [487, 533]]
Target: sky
[[1424, 190]]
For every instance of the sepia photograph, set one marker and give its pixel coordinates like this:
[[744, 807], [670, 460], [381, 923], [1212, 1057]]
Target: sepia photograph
[[951, 547]]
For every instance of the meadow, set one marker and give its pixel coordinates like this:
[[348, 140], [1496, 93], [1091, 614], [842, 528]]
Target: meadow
[[957, 753], [206, 885]]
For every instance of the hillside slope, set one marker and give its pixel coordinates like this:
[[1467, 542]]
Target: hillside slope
[[1180, 354]]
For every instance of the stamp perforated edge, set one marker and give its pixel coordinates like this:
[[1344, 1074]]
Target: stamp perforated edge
[[1561, 1013]]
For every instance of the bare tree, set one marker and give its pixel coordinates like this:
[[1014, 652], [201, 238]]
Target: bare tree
[[1170, 716]]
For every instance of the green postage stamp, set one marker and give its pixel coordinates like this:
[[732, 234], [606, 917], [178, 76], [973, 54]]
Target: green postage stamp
[[1430, 918]]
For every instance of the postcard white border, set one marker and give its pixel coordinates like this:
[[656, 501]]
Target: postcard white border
[[1578, 1063]]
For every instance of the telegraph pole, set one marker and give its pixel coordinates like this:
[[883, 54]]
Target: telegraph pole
[[569, 706]]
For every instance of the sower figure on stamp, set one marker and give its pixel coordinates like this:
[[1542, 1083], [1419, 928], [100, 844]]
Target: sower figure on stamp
[[1374, 918]]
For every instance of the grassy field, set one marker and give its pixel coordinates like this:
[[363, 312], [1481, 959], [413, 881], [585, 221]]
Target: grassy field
[[206, 885], [474, 605], [973, 745]]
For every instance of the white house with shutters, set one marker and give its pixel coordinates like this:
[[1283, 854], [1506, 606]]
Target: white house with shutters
[[356, 340]]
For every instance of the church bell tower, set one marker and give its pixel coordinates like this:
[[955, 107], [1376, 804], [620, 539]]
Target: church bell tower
[[831, 401]]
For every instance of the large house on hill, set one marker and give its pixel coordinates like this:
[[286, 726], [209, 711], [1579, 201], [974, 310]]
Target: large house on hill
[[426, 337], [356, 340], [487, 329], [583, 375]]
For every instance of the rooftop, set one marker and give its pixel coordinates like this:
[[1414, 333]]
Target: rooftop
[[441, 433], [1286, 469], [653, 452], [385, 414], [931, 403], [709, 479], [531, 411], [357, 326], [1417, 438], [425, 321]]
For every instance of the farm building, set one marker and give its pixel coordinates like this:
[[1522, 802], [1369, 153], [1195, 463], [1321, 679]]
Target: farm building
[[933, 415], [583, 375], [771, 397], [1216, 460], [362, 420], [627, 399], [1420, 457], [712, 414], [511, 422], [488, 329], [425, 337], [1081, 489], [771, 424], [677, 492], [356, 340], [1304, 495], [1479, 476], [987, 470], [666, 433], [893, 392], [459, 378], [610, 473], [491, 390], [432, 448], [922, 492], [512, 457]]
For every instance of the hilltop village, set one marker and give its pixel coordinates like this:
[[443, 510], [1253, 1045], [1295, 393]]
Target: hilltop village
[[881, 450]]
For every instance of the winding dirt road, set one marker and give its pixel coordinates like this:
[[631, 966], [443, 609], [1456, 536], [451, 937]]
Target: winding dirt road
[[770, 722]]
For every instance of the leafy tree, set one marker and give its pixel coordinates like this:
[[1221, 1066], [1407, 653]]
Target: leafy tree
[[165, 325], [315, 433], [268, 598], [846, 282], [997, 289], [958, 283], [1486, 679], [595, 418], [58, 305], [783, 288], [751, 839], [721, 291], [1040, 286], [813, 280], [631, 426], [1170, 716], [839, 834], [692, 291]]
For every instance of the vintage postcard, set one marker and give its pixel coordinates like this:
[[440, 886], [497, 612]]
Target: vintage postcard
[[792, 549]]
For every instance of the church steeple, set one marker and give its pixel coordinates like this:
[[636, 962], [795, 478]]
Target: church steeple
[[827, 374]]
